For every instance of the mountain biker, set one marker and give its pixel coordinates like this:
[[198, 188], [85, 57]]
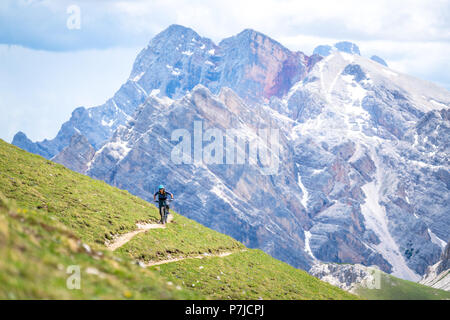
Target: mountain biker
[[162, 198]]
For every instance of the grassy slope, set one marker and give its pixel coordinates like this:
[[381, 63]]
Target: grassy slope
[[35, 252], [250, 274], [181, 238], [56, 210], [393, 288], [92, 209]]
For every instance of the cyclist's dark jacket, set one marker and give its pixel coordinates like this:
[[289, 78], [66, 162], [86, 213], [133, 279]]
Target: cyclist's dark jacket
[[162, 197]]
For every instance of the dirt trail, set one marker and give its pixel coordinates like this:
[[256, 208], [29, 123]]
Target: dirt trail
[[141, 227], [202, 256], [121, 240]]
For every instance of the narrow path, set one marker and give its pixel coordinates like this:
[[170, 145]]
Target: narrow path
[[141, 227], [202, 256], [144, 227]]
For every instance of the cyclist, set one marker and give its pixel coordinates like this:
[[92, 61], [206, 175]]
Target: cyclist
[[162, 200]]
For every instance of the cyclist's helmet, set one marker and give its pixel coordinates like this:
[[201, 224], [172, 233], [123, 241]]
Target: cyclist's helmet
[[161, 187]]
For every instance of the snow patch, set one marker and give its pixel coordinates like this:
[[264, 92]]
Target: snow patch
[[107, 124], [138, 77], [154, 92], [435, 239], [118, 149], [377, 221], [305, 193], [389, 72], [441, 105], [187, 53], [308, 244]]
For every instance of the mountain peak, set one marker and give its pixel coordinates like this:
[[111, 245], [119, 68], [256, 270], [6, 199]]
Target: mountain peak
[[379, 60], [251, 33], [22, 141], [177, 31], [19, 136], [343, 46], [248, 36], [347, 46]]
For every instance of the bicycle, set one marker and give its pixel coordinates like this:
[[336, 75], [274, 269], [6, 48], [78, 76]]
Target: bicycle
[[164, 210]]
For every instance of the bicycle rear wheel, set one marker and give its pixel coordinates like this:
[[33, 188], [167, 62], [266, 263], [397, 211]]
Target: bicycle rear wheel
[[164, 215]]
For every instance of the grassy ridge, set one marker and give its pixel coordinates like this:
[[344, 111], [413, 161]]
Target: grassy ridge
[[180, 238], [36, 250], [57, 212], [250, 274], [94, 210]]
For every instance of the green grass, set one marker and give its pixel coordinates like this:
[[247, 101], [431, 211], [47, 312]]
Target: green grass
[[180, 238], [250, 274], [35, 252], [94, 210], [48, 213], [392, 288]]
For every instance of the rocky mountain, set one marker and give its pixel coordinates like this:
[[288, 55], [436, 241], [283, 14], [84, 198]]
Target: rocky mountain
[[77, 154], [348, 277], [236, 198], [438, 275], [343, 46], [347, 47], [174, 62], [373, 284], [379, 60], [359, 151], [373, 177]]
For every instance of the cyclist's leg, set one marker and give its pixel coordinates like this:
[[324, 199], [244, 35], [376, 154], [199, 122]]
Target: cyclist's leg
[[161, 213], [166, 212], [165, 215]]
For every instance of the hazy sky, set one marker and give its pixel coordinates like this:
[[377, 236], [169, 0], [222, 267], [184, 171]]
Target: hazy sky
[[48, 69]]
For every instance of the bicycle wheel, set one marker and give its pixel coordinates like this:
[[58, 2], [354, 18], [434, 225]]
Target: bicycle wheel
[[164, 214]]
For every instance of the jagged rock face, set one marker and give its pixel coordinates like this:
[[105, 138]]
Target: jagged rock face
[[224, 197], [438, 275], [377, 187], [343, 46], [348, 47], [21, 140], [175, 61], [255, 66], [77, 154], [97, 124], [363, 172], [445, 259], [347, 277], [323, 50], [379, 60], [352, 165], [252, 64]]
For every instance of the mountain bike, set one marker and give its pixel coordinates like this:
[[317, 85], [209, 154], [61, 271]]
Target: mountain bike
[[164, 210]]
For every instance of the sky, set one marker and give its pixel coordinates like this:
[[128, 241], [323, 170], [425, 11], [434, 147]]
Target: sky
[[56, 55]]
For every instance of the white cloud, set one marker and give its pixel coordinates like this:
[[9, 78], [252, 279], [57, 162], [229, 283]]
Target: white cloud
[[116, 23], [412, 35], [42, 88]]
